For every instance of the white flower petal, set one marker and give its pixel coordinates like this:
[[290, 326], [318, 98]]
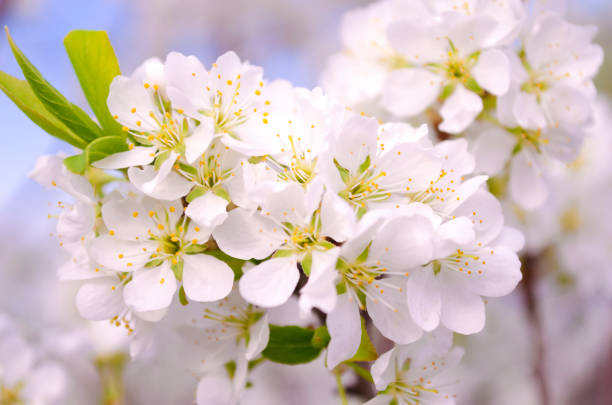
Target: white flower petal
[[408, 92], [127, 218], [344, 325], [527, 186], [404, 242], [492, 71], [383, 369], [338, 219], [173, 187], [356, 141], [100, 299], [137, 156], [119, 254], [214, 389], [393, 322], [150, 186], [198, 141], [423, 298], [320, 290], [206, 278], [460, 110], [150, 289], [208, 210], [271, 283], [247, 235], [259, 334], [462, 310], [131, 103]]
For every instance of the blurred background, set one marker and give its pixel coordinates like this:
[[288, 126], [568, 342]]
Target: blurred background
[[289, 39]]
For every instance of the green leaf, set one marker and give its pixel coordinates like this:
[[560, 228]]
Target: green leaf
[[96, 150], [291, 345], [69, 114], [366, 351], [321, 337], [95, 64], [20, 93]]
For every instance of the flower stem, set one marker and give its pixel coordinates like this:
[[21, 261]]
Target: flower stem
[[110, 369], [341, 390]]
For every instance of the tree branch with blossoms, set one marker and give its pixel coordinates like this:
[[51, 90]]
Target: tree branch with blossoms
[[201, 195]]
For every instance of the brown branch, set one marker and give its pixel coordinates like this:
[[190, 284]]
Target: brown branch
[[530, 270]]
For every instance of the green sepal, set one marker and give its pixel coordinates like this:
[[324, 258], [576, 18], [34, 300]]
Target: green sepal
[[344, 173], [472, 85], [361, 372], [177, 268], [160, 159], [193, 249], [221, 192], [447, 90], [69, 114], [291, 345], [188, 169], [365, 165], [366, 351], [196, 192], [363, 256], [307, 263], [20, 93], [95, 64], [326, 244], [437, 267], [256, 159], [154, 263], [283, 253], [182, 296]]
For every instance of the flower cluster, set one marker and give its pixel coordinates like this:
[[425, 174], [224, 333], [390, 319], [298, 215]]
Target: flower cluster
[[223, 167], [211, 197], [519, 86]]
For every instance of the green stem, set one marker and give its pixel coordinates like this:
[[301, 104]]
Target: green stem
[[341, 390], [110, 369]]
